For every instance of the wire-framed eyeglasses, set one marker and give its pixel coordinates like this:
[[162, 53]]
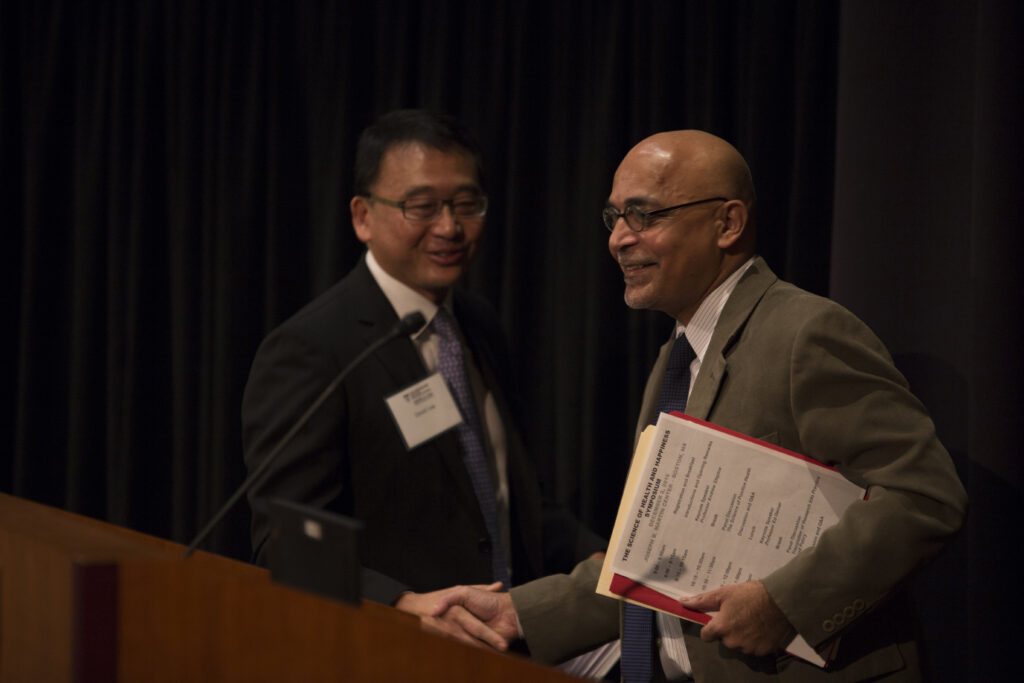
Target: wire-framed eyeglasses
[[429, 208], [638, 220]]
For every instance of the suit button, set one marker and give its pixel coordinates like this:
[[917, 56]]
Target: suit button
[[849, 612], [838, 618], [858, 605], [827, 626], [484, 546]]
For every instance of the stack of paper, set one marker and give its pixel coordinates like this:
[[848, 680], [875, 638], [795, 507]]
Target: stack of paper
[[705, 507]]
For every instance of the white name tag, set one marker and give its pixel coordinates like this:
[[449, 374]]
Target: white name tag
[[423, 410]]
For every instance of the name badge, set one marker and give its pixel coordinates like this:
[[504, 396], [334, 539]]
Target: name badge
[[423, 410]]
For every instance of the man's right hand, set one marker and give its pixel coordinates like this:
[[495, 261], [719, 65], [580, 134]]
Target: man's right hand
[[449, 612], [491, 607]]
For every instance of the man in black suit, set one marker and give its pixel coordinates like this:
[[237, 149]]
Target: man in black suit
[[419, 207]]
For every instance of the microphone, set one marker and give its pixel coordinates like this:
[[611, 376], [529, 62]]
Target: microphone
[[404, 327]]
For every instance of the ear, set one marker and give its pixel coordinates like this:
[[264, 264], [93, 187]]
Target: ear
[[733, 223], [360, 208]]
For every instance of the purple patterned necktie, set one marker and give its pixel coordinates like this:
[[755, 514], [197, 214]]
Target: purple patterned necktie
[[453, 368], [637, 662]]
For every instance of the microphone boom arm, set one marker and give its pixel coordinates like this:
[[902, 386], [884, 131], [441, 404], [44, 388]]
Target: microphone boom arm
[[405, 326]]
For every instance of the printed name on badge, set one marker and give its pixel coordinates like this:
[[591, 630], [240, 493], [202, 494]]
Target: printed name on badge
[[423, 410]]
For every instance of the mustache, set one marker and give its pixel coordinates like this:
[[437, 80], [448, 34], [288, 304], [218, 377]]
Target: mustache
[[628, 261]]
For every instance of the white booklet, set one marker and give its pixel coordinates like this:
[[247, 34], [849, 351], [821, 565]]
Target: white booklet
[[705, 507]]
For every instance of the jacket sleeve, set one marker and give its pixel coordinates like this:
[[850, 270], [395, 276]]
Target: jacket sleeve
[[853, 410], [287, 375], [561, 615]]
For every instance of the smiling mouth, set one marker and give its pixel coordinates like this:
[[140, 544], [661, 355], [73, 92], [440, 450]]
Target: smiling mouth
[[633, 268], [448, 257]]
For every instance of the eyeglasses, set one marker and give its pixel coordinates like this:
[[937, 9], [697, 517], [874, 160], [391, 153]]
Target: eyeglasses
[[637, 220], [427, 208]]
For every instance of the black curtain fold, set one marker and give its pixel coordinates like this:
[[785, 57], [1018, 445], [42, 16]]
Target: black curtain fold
[[925, 243]]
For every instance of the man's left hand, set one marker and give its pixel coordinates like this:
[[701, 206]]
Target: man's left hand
[[747, 618]]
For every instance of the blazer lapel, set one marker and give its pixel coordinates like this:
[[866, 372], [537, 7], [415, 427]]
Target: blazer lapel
[[751, 287], [376, 317], [401, 360]]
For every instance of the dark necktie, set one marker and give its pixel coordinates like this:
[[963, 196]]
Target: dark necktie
[[637, 663], [453, 367]]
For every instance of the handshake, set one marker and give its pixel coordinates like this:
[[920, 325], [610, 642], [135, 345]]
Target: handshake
[[743, 616], [481, 615]]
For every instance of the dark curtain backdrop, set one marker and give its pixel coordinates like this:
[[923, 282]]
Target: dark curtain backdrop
[[176, 178], [926, 247]]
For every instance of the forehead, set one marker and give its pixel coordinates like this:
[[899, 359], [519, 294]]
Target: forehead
[[413, 166], [648, 175]]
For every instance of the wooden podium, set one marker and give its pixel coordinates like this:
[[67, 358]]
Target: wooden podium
[[83, 600]]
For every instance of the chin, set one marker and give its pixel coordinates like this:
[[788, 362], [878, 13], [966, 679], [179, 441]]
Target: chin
[[440, 285], [637, 298], [448, 280], [635, 302]]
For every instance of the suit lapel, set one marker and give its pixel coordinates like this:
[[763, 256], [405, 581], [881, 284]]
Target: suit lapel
[[402, 362], [751, 287], [376, 318]]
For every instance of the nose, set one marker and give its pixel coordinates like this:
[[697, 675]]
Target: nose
[[621, 237], [447, 223]]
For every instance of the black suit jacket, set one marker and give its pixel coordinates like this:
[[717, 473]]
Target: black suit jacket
[[423, 526]]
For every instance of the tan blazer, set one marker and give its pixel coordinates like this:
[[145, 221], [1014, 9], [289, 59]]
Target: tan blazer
[[800, 371]]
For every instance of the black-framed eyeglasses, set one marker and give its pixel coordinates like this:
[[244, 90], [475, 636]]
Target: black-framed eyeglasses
[[638, 220], [429, 208]]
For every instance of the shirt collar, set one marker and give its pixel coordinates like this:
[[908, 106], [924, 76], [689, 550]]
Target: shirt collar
[[702, 325], [403, 298]]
